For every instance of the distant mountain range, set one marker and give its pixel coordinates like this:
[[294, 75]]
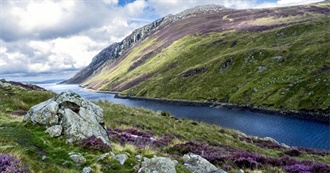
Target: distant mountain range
[[276, 58]]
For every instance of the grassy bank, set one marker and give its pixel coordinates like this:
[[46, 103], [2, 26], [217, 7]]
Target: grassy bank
[[171, 137]]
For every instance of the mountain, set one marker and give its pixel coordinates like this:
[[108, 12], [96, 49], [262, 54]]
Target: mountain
[[274, 58]]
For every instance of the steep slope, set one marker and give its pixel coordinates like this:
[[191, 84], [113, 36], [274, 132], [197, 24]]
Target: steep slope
[[275, 58]]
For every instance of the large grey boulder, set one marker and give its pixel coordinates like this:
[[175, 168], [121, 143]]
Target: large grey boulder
[[198, 164], [78, 117], [157, 165]]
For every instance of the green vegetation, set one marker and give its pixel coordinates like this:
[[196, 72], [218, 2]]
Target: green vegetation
[[283, 68], [29, 143]]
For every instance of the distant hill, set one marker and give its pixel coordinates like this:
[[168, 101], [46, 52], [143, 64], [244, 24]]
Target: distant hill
[[276, 58]]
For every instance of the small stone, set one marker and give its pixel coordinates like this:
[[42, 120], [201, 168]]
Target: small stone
[[278, 57], [240, 171], [138, 157], [87, 170], [262, 68], [43, 157], [157, 165], [78, 159], [121, 158], [101, 157]]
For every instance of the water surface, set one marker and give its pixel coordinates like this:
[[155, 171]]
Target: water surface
[[291, 131]]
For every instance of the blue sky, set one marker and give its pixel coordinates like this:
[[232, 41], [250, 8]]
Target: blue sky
[[56, 38]]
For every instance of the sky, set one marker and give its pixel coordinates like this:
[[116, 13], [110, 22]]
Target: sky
[[53, 39]]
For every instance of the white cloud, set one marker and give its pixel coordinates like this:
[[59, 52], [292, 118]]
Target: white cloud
[[61, 36], [111, 2], [296, 2]]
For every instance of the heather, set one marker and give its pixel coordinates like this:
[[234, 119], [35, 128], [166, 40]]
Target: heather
[[228, 157], [10, 164], [275, 59], [137, 131]]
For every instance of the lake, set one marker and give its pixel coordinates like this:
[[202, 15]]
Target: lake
[[290, 131]]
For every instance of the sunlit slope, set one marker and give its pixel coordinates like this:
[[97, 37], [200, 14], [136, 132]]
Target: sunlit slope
[[275, 58]]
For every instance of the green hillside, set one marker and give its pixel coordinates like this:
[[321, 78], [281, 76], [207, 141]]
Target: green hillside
[[278, 63], [35, 151]]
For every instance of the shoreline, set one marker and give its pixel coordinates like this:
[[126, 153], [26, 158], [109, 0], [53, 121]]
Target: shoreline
[[306, 115]]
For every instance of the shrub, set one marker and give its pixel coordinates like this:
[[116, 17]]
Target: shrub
[[293, 152], [140, 139], [9, 164], [95, 144], [298, 168]]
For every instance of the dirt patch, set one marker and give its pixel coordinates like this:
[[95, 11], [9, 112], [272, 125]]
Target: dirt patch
[[193, 72], [323, 69], [134, 82], [19, 113], [142, 60]]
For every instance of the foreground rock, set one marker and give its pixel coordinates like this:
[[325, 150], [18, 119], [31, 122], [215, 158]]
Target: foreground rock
[[157, 165], [198, 164], [70, 115]]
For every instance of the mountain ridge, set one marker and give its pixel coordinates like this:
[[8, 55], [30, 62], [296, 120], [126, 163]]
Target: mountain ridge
[[114, 50], [270, 58]]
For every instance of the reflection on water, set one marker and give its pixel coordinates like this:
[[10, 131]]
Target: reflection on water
[[293, 132]]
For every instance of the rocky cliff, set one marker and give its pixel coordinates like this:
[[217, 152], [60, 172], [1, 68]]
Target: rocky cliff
[[115, 50], [271, 58]]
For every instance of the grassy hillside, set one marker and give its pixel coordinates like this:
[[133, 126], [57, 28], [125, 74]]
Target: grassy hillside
[[280, 60], [173, 137]]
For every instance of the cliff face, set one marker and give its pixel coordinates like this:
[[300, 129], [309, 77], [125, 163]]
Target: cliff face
[[273, 58], [114, 51]]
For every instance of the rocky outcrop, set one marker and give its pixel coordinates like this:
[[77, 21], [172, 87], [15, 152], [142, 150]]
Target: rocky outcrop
[[198, 164], [157, 165], [70, 115], [114, 51]]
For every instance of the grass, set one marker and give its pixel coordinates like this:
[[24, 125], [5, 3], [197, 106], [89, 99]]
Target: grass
[[293, 58], [30, 143]]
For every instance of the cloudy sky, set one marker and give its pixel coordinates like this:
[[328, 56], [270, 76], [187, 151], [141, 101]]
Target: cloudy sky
[[55, 38]]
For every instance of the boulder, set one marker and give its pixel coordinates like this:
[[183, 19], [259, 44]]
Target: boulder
[[121, 158], [87, 170], [78, 117], [77, 158], [198, 164], [157, 165]]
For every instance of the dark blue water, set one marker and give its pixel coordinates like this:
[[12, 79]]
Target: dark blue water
[[291, 131]]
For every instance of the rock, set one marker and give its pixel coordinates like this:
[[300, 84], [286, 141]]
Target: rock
[[101, 157], [138, 157], [217, 171], [43, 157], [198, 164], [262, 68], [54, 131], [240, 171], [278, 57], [77, 158], [114, 51], [87, 170], [121, 158], [78, 117], [157, 165]]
